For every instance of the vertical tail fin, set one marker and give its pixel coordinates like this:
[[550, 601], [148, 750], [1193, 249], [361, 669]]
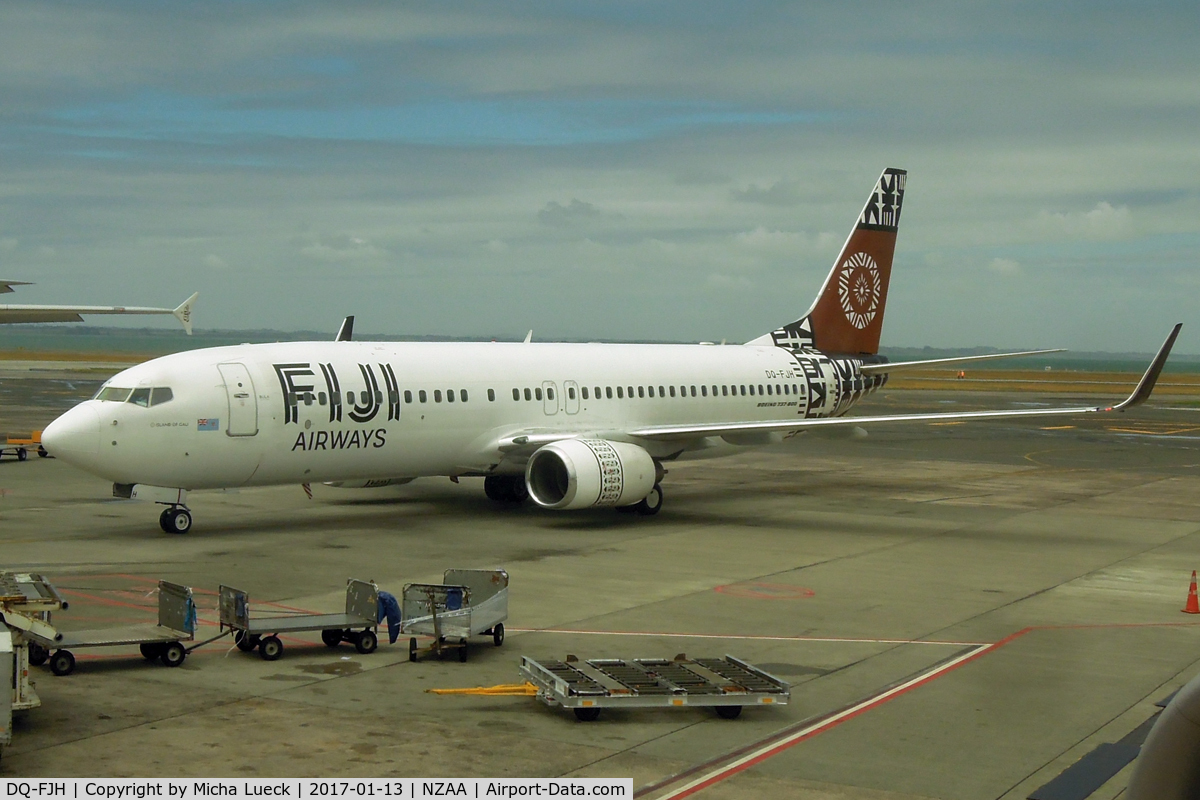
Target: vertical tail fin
[[847, 316]]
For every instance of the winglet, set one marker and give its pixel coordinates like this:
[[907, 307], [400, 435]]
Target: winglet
[[184, 313], [1146, 384], [346, 332]]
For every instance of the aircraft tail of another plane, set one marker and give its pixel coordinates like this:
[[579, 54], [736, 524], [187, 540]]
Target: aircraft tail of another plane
[[847, 316]]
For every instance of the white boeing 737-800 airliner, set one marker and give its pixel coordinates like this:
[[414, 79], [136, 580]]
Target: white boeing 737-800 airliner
[[569, 425]]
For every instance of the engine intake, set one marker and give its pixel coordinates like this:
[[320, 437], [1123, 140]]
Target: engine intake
[[581, 473]]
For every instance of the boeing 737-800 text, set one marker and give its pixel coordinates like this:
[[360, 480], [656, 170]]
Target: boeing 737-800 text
[[568, 425]]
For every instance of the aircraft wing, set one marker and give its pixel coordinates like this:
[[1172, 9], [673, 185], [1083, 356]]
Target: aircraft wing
[[34, 313], [898, 366], [1140, 394]]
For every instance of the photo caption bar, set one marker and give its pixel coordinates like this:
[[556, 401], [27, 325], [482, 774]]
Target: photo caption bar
[[417, 788]]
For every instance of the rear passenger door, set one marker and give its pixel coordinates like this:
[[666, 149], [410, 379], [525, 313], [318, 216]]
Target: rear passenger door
[[549, 397]]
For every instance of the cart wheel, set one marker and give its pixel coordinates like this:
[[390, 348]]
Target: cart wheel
[[332, 637], [412, 649], [729, 712], [270, 648], [245, 641], [173, 654], [38, 655], [587, 714], [151, 650], [498, 634], [462, 651], [22, 454], [366, 642], [63, 663]]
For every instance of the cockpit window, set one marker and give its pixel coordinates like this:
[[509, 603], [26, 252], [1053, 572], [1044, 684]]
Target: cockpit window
[[140, 397], [113, 394], [162, 394]]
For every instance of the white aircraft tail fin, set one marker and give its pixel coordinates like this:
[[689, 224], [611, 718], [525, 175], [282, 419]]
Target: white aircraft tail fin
[[847, 316], [346, 332], [184, 313]]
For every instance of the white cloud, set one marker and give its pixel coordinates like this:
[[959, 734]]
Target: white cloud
[[1004, 266], [1102, 222], [214, 261]]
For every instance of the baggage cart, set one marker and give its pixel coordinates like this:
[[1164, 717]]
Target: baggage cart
[[7, 666], [358, 624], [469, 602], [725, 684], [20, 446], [162, 642]]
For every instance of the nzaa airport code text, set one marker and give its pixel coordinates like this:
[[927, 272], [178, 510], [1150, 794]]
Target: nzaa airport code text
[[418, 789]]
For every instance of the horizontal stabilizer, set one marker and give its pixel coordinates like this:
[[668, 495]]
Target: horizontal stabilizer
[[934, 363]]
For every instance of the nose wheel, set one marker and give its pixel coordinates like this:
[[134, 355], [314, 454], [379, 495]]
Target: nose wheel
[[175, 519]]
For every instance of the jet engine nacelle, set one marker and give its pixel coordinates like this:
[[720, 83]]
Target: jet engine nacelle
[[371, 483], [582, 473]]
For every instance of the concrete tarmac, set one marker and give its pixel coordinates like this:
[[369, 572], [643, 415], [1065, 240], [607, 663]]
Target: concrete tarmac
[[1017, 587]]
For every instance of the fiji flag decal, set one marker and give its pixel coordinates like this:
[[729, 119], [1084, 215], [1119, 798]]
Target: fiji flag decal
[[208, 424]]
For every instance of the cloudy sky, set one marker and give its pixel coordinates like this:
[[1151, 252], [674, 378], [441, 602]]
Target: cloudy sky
[[682, 171]]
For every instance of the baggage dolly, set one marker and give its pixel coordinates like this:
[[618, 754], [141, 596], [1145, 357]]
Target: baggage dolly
[[726, 684], [28, 610], [358, 624], [469, 603]]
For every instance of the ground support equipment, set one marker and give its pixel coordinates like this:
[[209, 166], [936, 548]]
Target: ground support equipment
[[163, 642], [726, 684], [357, 625], [469, 602], [20, 446]]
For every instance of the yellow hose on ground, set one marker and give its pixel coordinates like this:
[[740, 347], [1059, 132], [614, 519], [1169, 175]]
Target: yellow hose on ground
[[501, 690]]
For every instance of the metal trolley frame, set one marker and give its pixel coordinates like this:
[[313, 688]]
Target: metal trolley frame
[[31, 615], [726, 684], [469, 602], [358, 624]]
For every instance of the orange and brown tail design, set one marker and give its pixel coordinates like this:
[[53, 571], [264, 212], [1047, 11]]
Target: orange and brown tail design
[[847, 317]]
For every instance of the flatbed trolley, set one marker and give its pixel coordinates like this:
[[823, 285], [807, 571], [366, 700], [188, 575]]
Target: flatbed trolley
[[726, 684], [469, 602], [21, 445], [358, 624], [27, 599]]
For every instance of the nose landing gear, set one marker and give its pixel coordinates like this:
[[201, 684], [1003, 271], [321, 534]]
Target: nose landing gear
[[175, 519]]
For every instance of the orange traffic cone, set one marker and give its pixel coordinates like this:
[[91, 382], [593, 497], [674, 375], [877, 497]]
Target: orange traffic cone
[[1193, 604]]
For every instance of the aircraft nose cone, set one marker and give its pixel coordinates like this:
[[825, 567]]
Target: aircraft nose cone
[[75, 436]]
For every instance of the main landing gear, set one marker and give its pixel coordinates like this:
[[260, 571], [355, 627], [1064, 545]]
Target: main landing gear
[[175, 519], [506, 488]]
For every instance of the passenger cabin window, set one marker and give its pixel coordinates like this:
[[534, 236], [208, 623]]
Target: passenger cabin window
[[421, 394], [549, 394], [704, 391], [768, 388], [437, 395], [760, 388], [672, 391], [743, 388], [160, 395], [529, 395], [462, 395], [620, 393], [724, 390], [585, 392], [641, 391], [140, 397], [449, 395], [537, 392], [629, 389], [516, 394], [693, 391], [608, 392], [491, 395], [407, 396], [597, 393], [113, 394], [662, 391], [570, 392]]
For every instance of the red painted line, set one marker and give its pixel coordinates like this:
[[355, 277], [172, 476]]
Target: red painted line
[[737, 636], [779, 743]]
